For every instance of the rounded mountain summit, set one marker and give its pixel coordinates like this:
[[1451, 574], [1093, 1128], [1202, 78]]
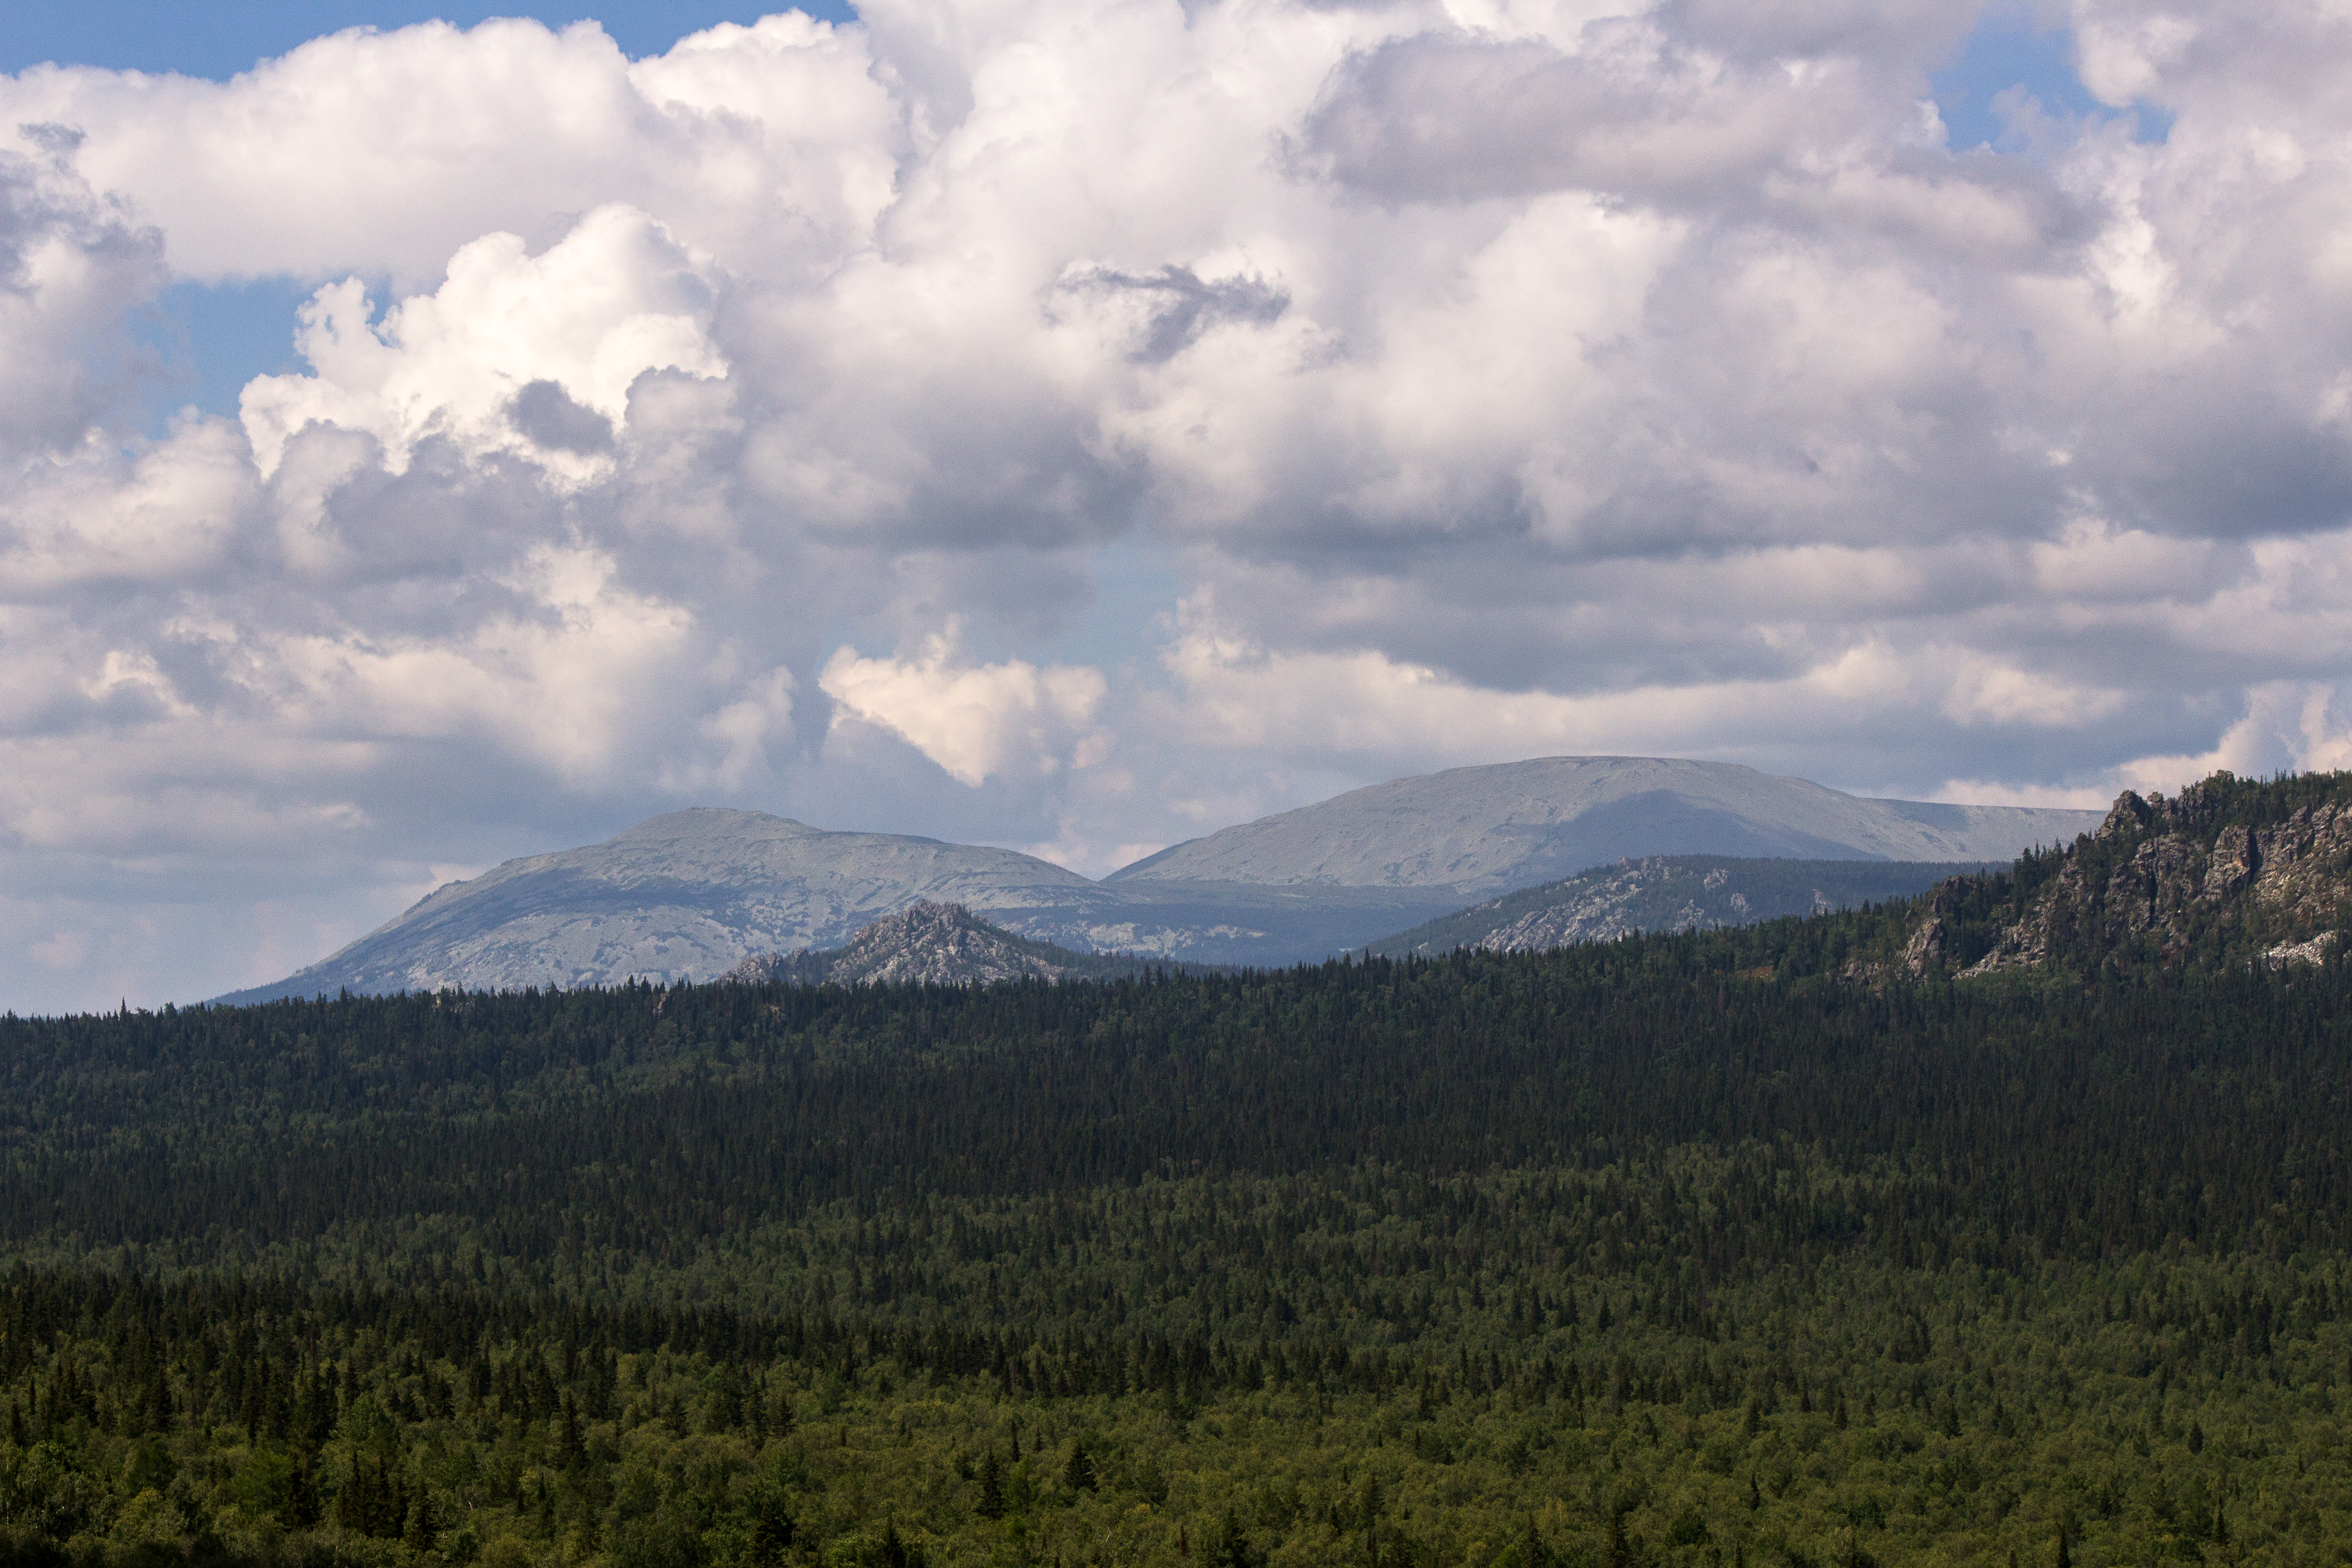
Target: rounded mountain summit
[[1490, 830], [693, 893]]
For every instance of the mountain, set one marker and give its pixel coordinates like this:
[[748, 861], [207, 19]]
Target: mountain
[[685, 894], [693, 893], [934, 945], [2228, 873], [1481, 831], [1666, 893]]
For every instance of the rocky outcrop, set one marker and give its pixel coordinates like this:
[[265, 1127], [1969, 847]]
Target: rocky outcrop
[[2287, 954], [2228, 870]]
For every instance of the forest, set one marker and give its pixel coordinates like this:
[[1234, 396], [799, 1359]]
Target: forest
[[1674, 1251]]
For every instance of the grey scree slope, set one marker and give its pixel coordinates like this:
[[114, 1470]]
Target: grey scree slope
[[1481, 831]]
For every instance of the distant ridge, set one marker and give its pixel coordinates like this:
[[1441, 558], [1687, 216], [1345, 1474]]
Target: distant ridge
[[1481, 831], [1667, 894]]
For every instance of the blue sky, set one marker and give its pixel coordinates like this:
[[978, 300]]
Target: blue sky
[[2010, 48], [210, 39]]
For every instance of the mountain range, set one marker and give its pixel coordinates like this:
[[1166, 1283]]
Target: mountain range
[[694, 893]]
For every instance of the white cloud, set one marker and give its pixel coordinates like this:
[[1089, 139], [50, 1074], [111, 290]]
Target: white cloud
[[94, 515], [533, 354], [1231, 693], [976, 720], [1988, 691], [65, 950], [551, 682], [375, 153]]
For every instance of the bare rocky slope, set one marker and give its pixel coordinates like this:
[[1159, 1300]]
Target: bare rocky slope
[[1666, 893], [2229, 871], [1481, 831], [936, 944]]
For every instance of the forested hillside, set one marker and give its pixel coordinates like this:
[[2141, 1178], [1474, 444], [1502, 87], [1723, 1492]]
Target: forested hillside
[[1682, 1249]]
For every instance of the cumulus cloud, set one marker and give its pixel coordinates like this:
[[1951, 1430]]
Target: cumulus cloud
[[513, 352], [1493, 378], [387, 153], [973, 720]]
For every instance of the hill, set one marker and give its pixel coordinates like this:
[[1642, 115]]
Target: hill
[[936, 944], [1481, 831], [1665, 893]]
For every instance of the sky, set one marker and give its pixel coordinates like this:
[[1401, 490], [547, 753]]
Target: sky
[[428, 438]]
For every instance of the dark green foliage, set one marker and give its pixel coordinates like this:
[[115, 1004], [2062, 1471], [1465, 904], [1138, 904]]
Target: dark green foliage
[[584, 1143]]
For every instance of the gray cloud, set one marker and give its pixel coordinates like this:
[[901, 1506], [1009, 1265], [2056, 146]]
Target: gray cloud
[[1179, 306], [548, 417], [71, 266]]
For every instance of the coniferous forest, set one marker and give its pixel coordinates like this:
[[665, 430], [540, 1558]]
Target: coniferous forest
[[1677, 1250]]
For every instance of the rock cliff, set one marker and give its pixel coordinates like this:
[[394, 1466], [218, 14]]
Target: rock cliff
[[2227, 871]]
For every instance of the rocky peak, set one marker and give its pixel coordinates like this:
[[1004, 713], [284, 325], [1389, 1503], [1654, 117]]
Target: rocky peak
[[933, 945], [2228, 870], [2128, 816]]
